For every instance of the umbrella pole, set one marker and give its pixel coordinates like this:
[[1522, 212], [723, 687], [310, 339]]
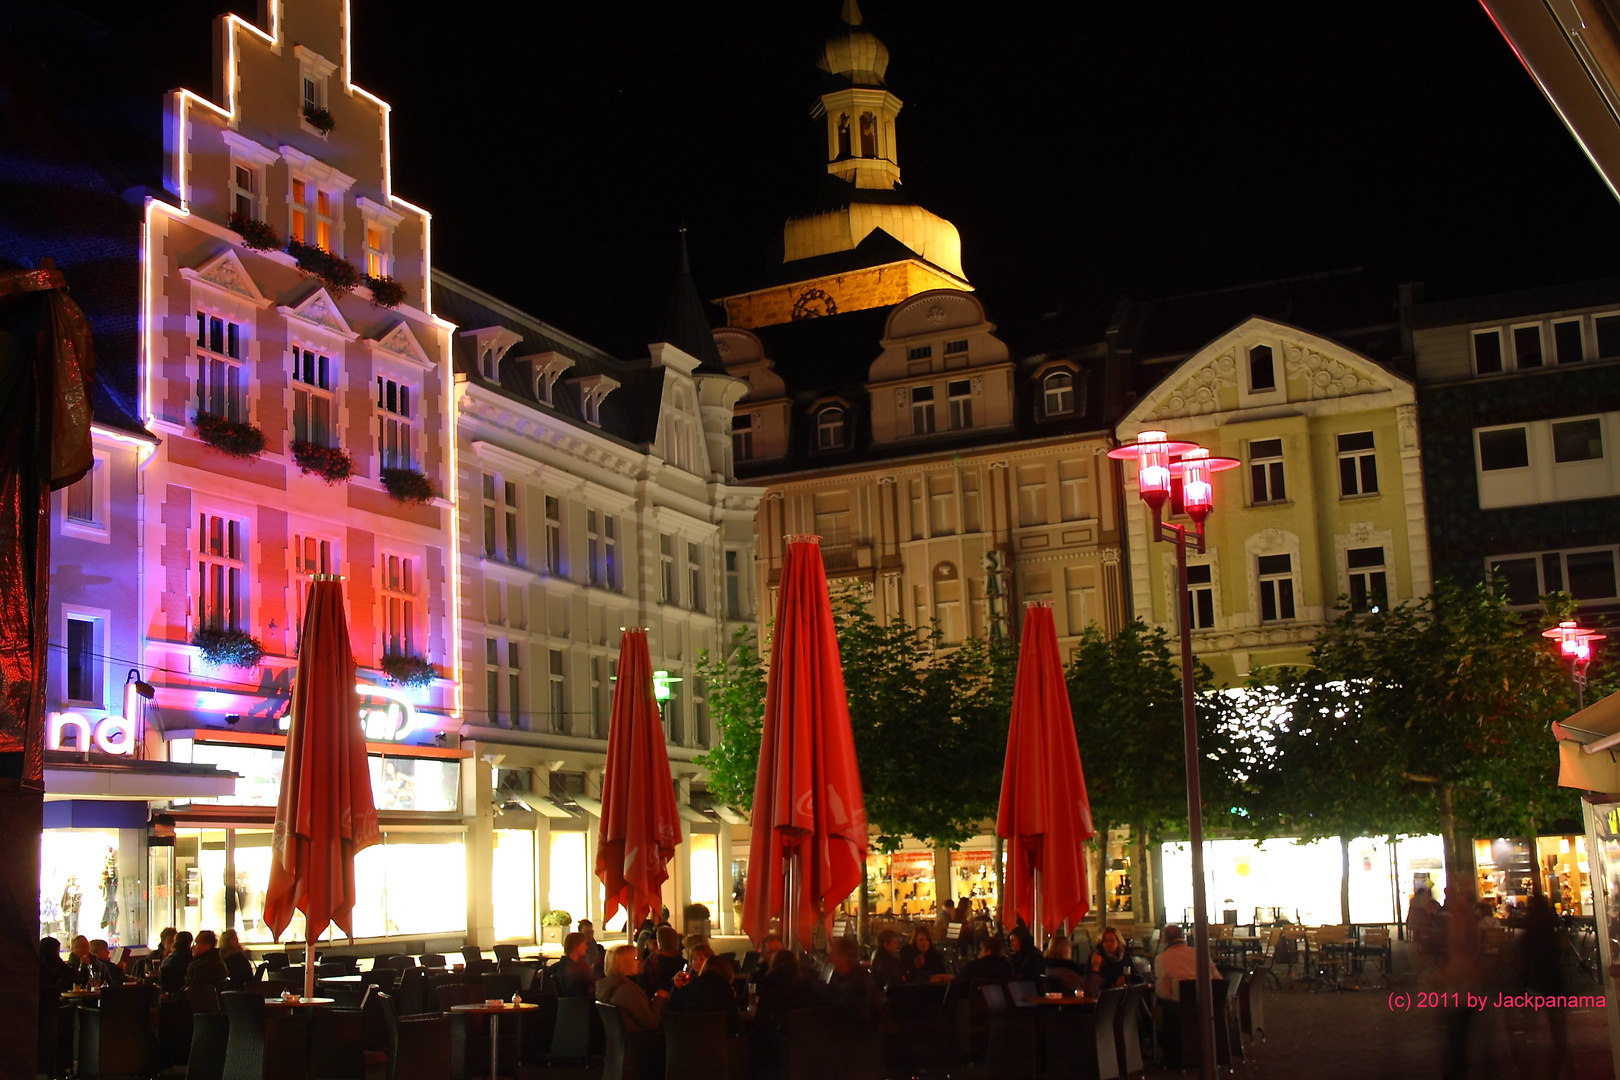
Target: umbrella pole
[[790, 896], [1036, 925], [309, 966]]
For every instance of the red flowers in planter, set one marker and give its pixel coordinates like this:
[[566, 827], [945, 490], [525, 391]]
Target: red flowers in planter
[[332, 464]]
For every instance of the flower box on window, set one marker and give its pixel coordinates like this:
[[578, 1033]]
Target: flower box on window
[[339, 274], [319, 119], [404, 669], [385, 291], [231, 437], [332, 464], [408, 486], [255, 233], [228, 648]]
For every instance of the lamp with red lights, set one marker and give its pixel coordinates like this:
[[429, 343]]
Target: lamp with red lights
[[1574, 645], [1159, 462]]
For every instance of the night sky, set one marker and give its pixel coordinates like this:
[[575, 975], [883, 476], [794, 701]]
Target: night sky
[[1084, 150]]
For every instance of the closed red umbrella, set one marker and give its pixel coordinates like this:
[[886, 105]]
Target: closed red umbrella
[[641, 824], [809, 818], [1045, 816], [325, 813]]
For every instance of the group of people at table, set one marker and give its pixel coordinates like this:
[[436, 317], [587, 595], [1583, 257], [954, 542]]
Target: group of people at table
[[181, 960]]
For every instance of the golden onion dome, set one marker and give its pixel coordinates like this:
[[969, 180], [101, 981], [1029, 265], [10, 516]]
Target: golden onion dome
[[854, 52]]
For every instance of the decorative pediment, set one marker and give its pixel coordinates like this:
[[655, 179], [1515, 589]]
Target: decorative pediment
[[400, 344], [1199, 391], [225, 273], [1325, 376], [320, 311]]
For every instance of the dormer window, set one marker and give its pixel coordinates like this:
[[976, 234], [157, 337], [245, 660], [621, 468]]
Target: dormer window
[[1058, 399], [314, 71], [960, 400], [830, 428], [920, 352], [1262, 370], [592, 389], [954, 347]]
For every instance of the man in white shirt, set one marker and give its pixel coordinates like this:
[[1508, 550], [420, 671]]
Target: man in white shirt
[[1178, 961]]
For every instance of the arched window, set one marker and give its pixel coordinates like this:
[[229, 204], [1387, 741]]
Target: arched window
[[843, 136], [830, 428], [948, 602], [868, 135], [1059, 388]]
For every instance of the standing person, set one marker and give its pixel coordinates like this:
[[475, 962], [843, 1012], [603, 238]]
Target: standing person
[[1111, 959], [662, 966], [172, 976], [1541, 971], [595, 955], [237, 962], [206, 967], [1027, 961], [1177, 962], [921, 961], [639, 1011], [572, 974], [886, 966]]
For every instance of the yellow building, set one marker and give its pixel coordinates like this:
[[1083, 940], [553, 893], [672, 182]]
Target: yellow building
[[1327, 503]]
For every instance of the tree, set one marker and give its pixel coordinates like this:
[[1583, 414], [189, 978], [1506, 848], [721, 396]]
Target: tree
[[735, 684]]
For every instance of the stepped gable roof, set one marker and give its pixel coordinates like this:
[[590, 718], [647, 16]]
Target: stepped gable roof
[[686, 322], [629, 414]]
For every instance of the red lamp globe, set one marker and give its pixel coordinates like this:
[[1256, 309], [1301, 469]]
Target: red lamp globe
[[1574, 643], [1152, 452]]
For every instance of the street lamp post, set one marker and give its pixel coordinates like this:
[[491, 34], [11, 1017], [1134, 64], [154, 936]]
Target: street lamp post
[[1159, 462], [1575, 645]]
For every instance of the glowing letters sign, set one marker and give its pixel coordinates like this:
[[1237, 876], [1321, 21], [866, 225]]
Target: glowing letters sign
[[386, 713], [111, 734]]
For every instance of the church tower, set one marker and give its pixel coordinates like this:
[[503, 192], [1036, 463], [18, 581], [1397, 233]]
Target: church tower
[[865, 244]]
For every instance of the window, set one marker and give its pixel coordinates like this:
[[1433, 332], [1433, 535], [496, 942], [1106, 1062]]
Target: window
[[1262, 369], [1608, 336], [1031, 495], [1587, 575], [501, 519], [554, 559], [245, 191], [610, 557], [742, 437], [221, 572], [920, 352], [491, 512], [395, 432], [511, 522], [666, 564], [1369, 582], [558, 697], [1201, 593], [954, 347], [219, 368], [694, 577], [599, 698], [948, 602], [844, 147], [593, 549], [399, 605], [1358, 465], [914, 493], [1266, 471], [971, 522], [1578, 440], [492, 687], [312, 378], [1487, 352], [1073, 476], [376, 249], [85, 502], [941, 504], [1527, 347], [734, 585], [960, 399], [514, 683], [830, 428], [1276, 588], [314, 92], [1058, 390], [1568, 344], [922, 410], [83, 667], [311, 555], [1505, 448], [314, 214], [868, 135]]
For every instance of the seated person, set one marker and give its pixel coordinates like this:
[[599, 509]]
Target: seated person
[[1111, 960], [637, 1010], [990, 964], [172, 975], [769, 946], [101, 959], [206, 967], [1178, 962], [55, 976], [1027, 961], [710, 990], [886, 967], [851, 987], [1060, 965], [920, 961], [572, 972], [237, 961], [784, 989], [658, 974]]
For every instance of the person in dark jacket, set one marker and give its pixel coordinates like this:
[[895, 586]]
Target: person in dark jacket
[[172, 975], [1060, 964], [572, 973], [920, 960], [886, 967], [1111, 960], [55, 977], [237, 961], [206, 967], [663, 965], [1027, 961], [851, 987], [990, 964], [710, 991], [784, 989], [108, 972]]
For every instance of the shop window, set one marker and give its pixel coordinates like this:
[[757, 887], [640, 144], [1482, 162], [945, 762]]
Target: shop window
[[313, 376], [742, 437], [922, 410], [399, 605], [557, 688], [1266, 471], [396, 434], [554, 535], [959, 395], [1031, 495], [705, 869], [1569, 344], [512, 884], [221, 572], [694, 577], [1201, 593], [1262, 370], [84, 662], [1369, 581], [1358, 465], [570, 877], [1058, 394], [1276, 588], [219, 368]]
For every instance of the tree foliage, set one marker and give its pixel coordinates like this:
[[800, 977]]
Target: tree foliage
[[735, 684]]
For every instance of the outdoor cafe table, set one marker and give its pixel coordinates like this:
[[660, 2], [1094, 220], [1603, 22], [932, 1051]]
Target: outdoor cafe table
[[349, 980], [296, 1003], [494, 1010]]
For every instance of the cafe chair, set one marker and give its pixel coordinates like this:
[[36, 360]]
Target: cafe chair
[[571, 1037], [1190, 1035], [505, 952], [418, 1046], [629, 1055], [691, 1042], [336, 1034], [115, 1039], [1012, 1044], [1127, 1030], [261, 1046], [432, 960], [526, 971], [210, 1033], [1251, 1009], [500, 986]]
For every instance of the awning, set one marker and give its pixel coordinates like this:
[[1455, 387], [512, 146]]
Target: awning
[[1589, 747], [151, 780]]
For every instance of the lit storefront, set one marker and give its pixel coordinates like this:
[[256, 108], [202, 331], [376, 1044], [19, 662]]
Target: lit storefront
[[1508, 867]]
